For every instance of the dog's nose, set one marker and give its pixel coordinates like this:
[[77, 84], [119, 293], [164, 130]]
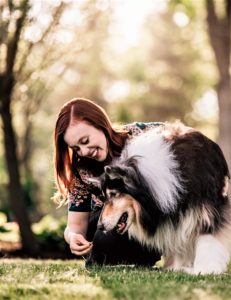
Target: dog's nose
[[100, 226]]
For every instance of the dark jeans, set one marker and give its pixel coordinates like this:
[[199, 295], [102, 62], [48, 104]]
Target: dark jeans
[[112, 248]]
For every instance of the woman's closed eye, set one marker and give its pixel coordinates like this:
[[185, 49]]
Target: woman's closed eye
[[84, 141]]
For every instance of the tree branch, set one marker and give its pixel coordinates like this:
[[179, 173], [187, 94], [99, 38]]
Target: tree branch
[[10, 5], [12, 46], [3, 26], [56, 17]]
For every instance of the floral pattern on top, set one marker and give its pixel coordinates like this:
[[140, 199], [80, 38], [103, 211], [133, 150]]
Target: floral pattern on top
[[136, 128], [80, 197]]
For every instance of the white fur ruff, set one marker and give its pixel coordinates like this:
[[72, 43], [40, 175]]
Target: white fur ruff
[[158, 165], [184, 248], [182, 242]]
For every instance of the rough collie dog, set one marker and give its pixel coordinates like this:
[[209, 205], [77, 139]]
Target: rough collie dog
[[169, 191]]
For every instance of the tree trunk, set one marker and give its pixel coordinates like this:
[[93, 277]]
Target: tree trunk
[[17, 203], [16, 196], [224, 96], [219, 30]]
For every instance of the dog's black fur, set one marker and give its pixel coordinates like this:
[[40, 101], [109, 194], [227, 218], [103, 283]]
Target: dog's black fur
[[202, 171], [114, 249]]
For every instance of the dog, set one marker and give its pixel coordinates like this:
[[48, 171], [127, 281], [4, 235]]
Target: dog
[[168, 190]]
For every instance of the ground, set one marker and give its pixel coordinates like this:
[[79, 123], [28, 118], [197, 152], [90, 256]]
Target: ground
[[60, 279]]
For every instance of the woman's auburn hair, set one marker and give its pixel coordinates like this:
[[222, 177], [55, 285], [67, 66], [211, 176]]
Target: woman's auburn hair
[[66, 161]]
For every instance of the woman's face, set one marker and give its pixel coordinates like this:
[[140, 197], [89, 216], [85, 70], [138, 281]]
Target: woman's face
[[86, 140]]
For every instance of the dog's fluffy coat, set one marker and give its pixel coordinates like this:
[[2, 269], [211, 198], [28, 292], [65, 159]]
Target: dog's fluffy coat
[[171, 183]]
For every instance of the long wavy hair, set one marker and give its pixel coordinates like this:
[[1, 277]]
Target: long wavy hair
[[66, 161]]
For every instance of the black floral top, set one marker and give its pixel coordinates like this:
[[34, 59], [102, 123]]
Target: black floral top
[[80, 198]]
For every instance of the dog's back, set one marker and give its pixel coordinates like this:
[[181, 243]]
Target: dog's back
[[176, 180]]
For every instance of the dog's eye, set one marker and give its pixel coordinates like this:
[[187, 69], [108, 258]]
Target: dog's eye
[[112, 194]]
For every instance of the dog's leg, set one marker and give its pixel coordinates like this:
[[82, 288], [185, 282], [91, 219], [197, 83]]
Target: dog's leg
[[211, 256], [177, 263], [168, 261]]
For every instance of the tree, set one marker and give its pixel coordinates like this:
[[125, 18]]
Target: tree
[[35, 49], [7, 82], [14, 20], [219, 29], [164, 76], [217, 16]]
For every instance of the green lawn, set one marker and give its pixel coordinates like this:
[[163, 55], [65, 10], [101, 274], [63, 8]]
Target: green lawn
[[37, 279]]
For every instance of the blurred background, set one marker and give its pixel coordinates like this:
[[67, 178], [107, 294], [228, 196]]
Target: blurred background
[[142, 60]]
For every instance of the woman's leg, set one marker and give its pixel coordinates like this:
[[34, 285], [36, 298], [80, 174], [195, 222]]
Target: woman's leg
[[113, 248]]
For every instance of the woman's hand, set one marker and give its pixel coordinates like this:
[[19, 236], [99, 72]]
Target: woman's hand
[[78, 244], [75, 232]]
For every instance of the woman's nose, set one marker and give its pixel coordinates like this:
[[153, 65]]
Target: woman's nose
[[83, 151]]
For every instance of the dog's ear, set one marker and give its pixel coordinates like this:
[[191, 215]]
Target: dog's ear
[[95, 186], [108, 170], [115, 172], [112, 172]]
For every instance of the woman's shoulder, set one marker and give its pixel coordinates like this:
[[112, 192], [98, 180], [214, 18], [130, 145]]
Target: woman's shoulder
[[136, 128]]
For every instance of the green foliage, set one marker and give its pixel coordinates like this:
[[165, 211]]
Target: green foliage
[[3, 220], [9, 231], [169, 73], [123, 114], [186, 6], [168, 70], [3, 229], [49, 232]]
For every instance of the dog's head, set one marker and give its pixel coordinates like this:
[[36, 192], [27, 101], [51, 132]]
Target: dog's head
[[120, 209]]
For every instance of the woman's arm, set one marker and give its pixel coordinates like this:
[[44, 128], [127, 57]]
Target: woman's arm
[[75, 232]]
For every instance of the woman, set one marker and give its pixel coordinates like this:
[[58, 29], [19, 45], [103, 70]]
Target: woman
[[85, 142]]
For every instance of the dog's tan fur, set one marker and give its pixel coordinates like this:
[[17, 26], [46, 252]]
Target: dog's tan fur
[[174, 243], [179, 179]]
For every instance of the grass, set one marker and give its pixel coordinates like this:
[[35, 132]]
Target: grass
[[37, 279]]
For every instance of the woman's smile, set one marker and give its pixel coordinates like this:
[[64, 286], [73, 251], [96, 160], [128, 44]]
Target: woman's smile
[[86, 140], [95, 153]]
